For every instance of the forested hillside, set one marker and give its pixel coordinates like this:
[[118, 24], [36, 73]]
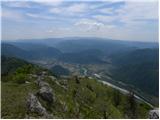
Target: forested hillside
[[36, 93], [139, 68]]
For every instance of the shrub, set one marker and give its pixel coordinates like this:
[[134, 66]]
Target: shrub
[[20, 78]]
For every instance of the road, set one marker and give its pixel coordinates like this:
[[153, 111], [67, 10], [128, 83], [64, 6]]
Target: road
[[124, 91]]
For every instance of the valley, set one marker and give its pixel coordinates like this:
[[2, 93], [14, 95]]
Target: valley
[[82, 59], [129, 69], [101, 72], [40, 94]]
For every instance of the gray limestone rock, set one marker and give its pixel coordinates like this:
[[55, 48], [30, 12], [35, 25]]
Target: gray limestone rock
[[154, 114], [34, 105], [46, 94]]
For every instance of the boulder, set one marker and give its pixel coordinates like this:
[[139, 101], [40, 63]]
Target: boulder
[[46, 94], [154, 114], [34, 105], [45, 91]]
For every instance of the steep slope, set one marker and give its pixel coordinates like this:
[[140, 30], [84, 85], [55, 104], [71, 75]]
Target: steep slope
[[10, 64], [30, 51], [11, 50], [140, 69], [36, 93]]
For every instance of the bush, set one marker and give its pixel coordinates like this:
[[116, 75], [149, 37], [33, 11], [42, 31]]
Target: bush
[[20, 78]]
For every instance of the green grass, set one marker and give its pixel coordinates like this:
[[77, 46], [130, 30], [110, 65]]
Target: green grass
[[81, 98], [90, 102], [13, 102]]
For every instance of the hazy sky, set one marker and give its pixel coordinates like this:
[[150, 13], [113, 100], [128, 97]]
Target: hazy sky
[[120, 19]]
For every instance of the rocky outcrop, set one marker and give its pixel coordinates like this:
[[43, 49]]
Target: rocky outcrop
[[45, 91], [34, 106], [42, 84], [46, 94], [154, 114]]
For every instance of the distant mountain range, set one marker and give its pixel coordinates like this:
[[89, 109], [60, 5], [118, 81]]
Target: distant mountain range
[[135, 63], [55, 42], [67, 48]]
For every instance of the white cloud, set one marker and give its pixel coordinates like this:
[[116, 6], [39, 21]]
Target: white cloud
[[49, 2], [72, 10], [105, 18], [11, 14], [132, 14], [107, 10], [114, 1], [138, 11], [18, 4], [56, 10], [77, 8], [40, 16], [88, 25], [32, 15], [74, 20]]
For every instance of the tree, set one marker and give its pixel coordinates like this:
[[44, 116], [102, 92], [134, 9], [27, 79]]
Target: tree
[[116, 97], [77, 79], [20, 78], [131, 105]]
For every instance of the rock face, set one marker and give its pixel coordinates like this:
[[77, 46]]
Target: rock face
[[46, 93], [34, 105], [154, 114]]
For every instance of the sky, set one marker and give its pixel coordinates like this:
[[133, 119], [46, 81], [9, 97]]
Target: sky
[[115, 19]]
